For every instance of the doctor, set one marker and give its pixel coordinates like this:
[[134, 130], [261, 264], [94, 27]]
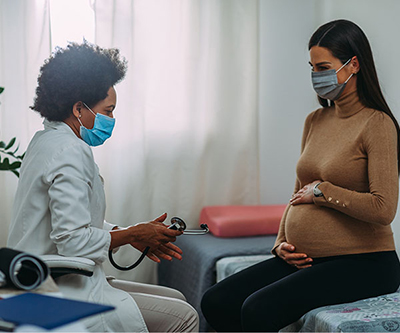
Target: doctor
[[59, 206]]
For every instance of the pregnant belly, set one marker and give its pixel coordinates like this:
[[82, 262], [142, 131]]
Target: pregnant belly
[[321, 231], [312, 229]]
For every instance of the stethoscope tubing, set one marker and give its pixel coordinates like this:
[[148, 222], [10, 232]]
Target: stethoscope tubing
[[128, 268]]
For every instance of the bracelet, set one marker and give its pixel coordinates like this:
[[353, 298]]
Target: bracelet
[[317, 192]]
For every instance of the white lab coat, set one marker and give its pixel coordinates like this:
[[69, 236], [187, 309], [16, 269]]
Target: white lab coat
[[59, 208]]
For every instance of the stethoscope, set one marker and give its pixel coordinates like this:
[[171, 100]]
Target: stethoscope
[[176, 224]]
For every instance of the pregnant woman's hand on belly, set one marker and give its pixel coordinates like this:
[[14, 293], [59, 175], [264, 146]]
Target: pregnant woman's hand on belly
[[305, 195], [287, 252]]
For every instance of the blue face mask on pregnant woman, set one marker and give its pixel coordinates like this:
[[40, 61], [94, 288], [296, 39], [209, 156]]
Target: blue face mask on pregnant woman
[[326, 84]]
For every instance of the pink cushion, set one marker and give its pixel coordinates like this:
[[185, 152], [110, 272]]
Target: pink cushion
[[237, 221]]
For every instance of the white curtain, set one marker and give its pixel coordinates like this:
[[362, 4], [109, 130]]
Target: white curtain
[[186, 133], [186, 130], [24, 44]]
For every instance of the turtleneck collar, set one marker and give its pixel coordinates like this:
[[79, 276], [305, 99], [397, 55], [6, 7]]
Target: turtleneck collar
[[348, 105]]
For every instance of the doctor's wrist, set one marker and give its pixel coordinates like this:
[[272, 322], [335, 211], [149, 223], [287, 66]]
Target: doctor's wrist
[[119, 236]]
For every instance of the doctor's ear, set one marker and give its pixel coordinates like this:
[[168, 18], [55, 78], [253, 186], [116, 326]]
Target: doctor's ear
[[76, 109]]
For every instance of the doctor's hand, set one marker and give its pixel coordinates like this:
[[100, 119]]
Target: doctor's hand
[[287, 252], [304, 195], [166, 252], [153, 234]]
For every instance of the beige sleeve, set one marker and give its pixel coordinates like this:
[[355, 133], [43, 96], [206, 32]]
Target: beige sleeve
[[379, 204]]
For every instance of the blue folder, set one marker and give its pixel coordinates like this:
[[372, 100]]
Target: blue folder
[[46, 311]]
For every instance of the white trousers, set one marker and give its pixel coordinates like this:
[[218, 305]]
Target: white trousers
[[163, 309]]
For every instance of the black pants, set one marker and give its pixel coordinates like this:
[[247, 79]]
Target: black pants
[[272, 294]]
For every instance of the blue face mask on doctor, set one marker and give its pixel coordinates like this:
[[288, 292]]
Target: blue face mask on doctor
[[101, 131]]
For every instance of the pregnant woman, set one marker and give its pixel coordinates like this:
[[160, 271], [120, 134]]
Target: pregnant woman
[[335, 243]]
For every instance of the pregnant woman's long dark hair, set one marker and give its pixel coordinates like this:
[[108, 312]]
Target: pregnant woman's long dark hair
[[345, 40]]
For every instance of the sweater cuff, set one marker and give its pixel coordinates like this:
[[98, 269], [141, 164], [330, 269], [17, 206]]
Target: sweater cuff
[[330, 197], [322, 200]]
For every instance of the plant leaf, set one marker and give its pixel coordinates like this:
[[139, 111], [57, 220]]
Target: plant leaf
[[15, 150], [2, 144], [15, 173], [5, 165], [15, 165], [9, 153], [10, 144], [1, 89], [21, 157]]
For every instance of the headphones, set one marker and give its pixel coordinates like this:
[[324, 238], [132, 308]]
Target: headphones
[[177, 224]]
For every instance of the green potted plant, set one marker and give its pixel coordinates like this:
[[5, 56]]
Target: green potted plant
[[9, 160]]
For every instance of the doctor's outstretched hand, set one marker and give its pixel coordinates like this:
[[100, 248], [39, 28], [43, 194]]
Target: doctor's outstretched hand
[[153, 234]]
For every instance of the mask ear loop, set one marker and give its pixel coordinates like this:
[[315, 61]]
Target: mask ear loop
[[81, 115], [80, 120], [89, 108], [349, 78], [337, 70], [344, 66]]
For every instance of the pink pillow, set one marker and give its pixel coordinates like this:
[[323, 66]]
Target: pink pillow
[[237, 221]]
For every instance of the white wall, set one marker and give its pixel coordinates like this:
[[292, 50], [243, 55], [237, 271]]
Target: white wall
[[286, 95], [285, 92]]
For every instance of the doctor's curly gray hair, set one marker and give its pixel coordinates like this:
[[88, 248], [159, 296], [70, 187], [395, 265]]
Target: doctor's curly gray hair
[[79, 72]]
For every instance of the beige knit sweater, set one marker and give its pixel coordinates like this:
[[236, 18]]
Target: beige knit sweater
[[353, 150]]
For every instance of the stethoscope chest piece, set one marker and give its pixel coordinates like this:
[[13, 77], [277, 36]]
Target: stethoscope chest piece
[[177, 224]]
